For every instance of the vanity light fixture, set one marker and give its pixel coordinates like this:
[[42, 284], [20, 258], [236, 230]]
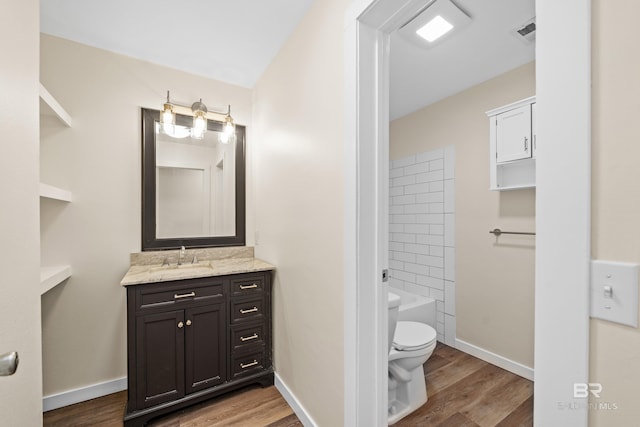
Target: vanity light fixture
[[167, 117], [228, 128], [199, 111]]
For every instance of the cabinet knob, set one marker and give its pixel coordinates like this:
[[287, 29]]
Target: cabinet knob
[[180, 325], [188, 322]]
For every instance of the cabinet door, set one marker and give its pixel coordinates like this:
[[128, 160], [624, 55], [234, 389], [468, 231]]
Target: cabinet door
[[206, 350], [160, 357], [533, 130], [513, 134]]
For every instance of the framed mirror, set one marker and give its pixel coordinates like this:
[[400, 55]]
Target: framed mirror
[[193, 190]]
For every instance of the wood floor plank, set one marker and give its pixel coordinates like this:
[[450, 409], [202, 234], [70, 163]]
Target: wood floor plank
[[253, 407], [499, 401], [105, 411], [521, 417], [290, 421], [458, 369], [457, 420]]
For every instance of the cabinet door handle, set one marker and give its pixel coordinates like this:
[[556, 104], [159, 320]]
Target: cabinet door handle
[[250, 310], [249, 338], [248, 365], [9, 363], [180, 325], [188, 322], [251, 286], [190, 294], [526, 145]]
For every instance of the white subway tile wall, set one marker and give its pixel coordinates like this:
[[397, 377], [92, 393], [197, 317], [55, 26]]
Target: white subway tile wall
[[422, 231]]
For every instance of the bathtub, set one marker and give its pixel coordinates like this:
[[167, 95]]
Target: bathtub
[[415, 307]]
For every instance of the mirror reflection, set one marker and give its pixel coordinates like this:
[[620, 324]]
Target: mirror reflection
[[193, 184]]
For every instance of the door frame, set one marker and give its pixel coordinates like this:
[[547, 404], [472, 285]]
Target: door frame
[[562, 280]]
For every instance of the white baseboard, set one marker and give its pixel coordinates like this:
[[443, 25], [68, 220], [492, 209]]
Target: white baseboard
[[301, 413], [495, 359], [78, 395]]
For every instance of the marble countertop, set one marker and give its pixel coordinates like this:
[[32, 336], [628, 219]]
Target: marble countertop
[[139, 274]]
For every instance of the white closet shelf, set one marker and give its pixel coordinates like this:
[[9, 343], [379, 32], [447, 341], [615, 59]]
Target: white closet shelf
[[50, 106], [55, 193], [50, 277]]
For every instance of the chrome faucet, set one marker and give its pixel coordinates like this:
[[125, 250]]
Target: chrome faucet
[[181, 254]]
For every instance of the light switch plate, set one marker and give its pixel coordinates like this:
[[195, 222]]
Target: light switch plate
[[614, 292]]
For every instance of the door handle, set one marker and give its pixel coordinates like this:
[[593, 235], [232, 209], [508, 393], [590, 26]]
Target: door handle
[[9, 363]]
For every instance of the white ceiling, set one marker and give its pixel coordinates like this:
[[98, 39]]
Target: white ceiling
[[228, 40], [482, 50], [234, 41]]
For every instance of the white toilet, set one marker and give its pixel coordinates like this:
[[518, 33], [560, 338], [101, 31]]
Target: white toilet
[[410, 345]]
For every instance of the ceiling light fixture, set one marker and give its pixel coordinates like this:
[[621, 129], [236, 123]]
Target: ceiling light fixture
[[199, 112], [435, 29], [437, 22]]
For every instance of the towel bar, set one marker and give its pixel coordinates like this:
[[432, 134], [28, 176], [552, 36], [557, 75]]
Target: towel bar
[[497, 232]]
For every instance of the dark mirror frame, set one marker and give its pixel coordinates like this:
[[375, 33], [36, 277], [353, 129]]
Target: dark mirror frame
[[150, 242]]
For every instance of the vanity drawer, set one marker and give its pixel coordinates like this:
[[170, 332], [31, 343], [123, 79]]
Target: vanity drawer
[[166, 295], [247, 309], [247, 335], [248, 363], [247, 285]]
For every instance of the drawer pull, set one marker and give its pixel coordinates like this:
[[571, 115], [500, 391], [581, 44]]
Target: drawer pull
[[248, 365], [250, 310], [251, 286], [190, 294], [249, 338]]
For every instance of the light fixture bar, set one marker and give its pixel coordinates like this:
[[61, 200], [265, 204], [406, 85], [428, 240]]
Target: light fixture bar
[[434, 29], [199, 111]]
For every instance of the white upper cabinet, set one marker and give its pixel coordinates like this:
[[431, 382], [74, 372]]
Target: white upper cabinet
[[512, 145], [533, 129], [513, 134]]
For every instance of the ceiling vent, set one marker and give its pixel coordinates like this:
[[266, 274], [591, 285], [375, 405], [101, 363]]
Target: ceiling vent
[[527, 31]]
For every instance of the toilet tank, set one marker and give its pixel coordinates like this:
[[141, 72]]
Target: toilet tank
[[416, 308]]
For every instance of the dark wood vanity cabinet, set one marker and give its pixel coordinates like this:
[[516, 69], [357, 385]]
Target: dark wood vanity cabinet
[[190, 340]]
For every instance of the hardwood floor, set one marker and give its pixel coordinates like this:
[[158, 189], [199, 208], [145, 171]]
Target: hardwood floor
[[463, 392], [250, 407]]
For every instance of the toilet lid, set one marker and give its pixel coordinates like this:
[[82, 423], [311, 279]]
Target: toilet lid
[[413, 336]]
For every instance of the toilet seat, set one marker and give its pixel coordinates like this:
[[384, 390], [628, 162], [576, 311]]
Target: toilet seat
[[411, 336]]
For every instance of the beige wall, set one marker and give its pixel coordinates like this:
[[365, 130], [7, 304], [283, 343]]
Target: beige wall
[[98, 159], [298, 120], [494, 278], [20, 394], [615, 349]]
